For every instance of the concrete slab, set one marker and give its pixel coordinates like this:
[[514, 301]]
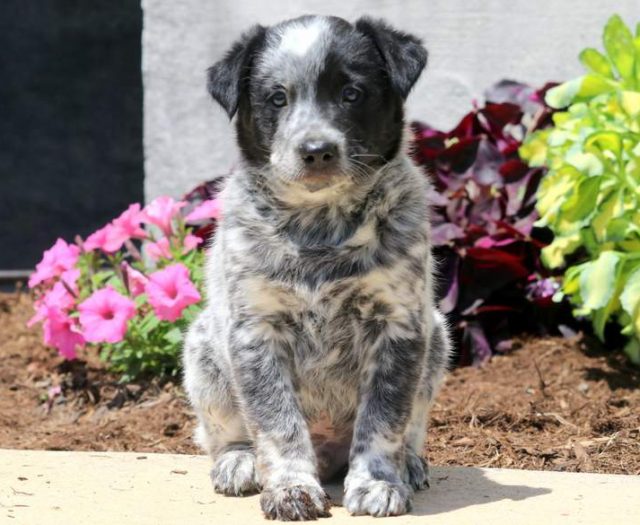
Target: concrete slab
[[69, 488]]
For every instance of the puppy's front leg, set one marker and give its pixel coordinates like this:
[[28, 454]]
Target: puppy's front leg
[[260, 352], [374, 483]]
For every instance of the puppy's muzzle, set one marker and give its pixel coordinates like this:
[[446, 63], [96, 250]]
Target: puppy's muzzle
[[319, 155]]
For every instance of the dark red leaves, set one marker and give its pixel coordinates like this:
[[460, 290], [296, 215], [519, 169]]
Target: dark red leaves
[[484, 213]]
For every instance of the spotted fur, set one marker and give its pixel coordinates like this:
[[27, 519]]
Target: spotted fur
[[319, 276]]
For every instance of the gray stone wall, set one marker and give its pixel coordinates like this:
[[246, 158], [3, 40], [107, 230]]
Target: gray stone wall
[[472, 44]]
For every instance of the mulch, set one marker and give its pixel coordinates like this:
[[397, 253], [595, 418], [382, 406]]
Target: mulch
[[551, 404]]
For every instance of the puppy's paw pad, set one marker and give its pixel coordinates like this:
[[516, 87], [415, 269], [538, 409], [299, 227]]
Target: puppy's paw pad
[[417, 472], [234, 473], [378, 498], [295, 503]]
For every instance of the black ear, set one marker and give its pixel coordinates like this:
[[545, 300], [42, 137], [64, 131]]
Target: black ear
[[227, 78], [404, 54]]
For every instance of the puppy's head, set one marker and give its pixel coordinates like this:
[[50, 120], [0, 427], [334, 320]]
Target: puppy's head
[[318, 99]]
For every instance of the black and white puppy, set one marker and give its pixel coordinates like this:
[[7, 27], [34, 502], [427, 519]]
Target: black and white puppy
[[320, 299]]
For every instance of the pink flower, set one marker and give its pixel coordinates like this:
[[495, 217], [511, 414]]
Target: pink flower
[[129, 222], [170, 291], [98, 240], [61, 332], [158, 250], [70, 278], [210, 209], [111, 237], [161, 212], [57, 298], [191, 242], [135, 279], [57, 259], [104, 316]]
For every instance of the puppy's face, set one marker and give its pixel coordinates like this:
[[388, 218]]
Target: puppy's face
[[318, 99]]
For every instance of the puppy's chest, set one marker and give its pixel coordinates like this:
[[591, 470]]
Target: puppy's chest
[[337, 323], [326, 328]]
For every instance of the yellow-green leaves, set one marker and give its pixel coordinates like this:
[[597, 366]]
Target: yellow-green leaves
[[597, 280], [618, 41], [630, 298], [595, 61], [590, 196], [630, 102]]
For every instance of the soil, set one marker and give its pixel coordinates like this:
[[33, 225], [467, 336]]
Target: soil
[[552, 404]]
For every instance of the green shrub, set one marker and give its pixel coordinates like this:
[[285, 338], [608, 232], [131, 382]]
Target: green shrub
[[590, 197]]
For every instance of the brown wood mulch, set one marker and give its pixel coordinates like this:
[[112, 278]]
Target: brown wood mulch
[[553, 404]]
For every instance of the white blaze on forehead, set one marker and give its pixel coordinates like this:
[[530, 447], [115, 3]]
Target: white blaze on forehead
[[298, 39]]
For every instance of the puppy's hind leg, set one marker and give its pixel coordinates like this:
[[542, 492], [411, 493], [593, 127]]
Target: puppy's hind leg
[[221, 430], [437, 358]]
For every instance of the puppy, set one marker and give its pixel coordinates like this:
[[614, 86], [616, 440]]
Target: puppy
[[320, 302]]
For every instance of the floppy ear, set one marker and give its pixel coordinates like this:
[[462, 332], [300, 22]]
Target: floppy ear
[[404, 54], [227, 78]]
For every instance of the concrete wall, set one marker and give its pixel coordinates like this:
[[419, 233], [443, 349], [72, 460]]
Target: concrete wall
[[472, 44]]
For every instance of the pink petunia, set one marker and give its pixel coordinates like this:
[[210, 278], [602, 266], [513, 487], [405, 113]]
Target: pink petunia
[[127, 226], [161, 213], [56, 260], [111, 237], [97, 240], [135, 279], [104, 316], [70, 278], [170, 291], [61, 332], [210, 209], [130, 222], [57, 298], [191, 242], [158, 250]]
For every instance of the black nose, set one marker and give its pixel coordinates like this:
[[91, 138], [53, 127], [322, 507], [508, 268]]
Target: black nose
[[318, 153]]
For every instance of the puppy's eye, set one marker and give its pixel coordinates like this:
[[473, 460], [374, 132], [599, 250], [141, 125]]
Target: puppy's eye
[[351, 94], [278, 99]]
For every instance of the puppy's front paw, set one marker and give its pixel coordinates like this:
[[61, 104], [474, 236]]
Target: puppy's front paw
[[377, 498], [295, 503], [234, 473], [417, 471]]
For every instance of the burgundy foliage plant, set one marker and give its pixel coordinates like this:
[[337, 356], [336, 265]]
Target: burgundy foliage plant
[[492, 284]]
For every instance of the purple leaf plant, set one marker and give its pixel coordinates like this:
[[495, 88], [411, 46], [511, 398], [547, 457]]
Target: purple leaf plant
[[492, 284]]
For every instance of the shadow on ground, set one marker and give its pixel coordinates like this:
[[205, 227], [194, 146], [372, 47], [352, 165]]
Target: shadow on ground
[[452, 490]]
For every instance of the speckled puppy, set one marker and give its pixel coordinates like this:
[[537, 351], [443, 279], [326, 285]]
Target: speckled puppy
[[320, 274]]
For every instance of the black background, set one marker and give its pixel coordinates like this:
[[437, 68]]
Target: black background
[[71, 154]]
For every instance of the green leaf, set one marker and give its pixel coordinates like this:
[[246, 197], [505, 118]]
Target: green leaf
[[149, 323], [605, 141], [582, 201], [618, 41], [632, 349], [585, 162], [554, 254], [630, 299], [534, 150], [598, 280], [630, 101], [554, 187], [593, 85], [174, 335], [561, 96], [617, 229], [596, 62], [606, 212]]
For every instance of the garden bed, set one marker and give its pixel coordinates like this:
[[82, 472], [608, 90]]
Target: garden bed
[[552, 404]]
